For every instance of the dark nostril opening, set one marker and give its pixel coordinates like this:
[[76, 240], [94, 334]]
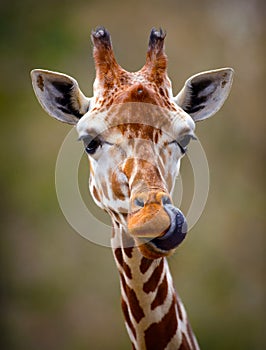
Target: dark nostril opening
[[139, 202], [166, 200]]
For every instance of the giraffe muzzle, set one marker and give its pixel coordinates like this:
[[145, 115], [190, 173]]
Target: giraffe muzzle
[[148, 218], [157, 225]]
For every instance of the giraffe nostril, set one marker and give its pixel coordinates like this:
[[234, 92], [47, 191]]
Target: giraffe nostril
[[139, 202]]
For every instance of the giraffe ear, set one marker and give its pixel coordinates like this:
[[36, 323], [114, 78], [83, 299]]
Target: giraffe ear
[[59, 95], [204, 94]]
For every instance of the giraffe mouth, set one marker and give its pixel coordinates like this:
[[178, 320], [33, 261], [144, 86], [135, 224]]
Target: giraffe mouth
[[166, 243], [176, 232]]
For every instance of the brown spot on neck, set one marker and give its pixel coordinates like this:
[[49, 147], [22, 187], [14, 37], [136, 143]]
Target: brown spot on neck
[[134, 304], [145, 264], [158, 335], [122, 263], [161, 294], [127, 318], [128, 251], [154, 279]]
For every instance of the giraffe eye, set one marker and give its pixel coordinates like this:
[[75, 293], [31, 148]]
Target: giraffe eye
[[93, 145]]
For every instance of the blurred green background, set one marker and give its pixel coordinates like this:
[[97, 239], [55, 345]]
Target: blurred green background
[[59, 291]]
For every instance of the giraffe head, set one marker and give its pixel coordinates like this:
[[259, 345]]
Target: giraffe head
[[135, 133]]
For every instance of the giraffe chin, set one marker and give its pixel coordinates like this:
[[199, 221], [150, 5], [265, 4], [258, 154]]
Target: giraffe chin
[[149, 251], [166, 244]]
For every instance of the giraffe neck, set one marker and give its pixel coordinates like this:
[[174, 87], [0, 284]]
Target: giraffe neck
[[155, 317]]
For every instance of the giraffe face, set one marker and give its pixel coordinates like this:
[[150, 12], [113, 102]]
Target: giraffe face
[[135, 133], [134, 150]]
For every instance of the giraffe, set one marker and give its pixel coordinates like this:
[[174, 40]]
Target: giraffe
[[135, 132]]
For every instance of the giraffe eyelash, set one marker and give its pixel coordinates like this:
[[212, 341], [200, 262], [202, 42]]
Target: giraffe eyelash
[[183, 149], [184, 141], [93, 145]]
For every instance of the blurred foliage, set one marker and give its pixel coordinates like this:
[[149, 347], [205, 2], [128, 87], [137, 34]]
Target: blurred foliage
[[58, 291]]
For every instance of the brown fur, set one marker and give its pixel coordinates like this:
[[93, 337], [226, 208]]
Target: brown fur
[[134, 304], [164, 330], [161, 294], [153, 281]]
